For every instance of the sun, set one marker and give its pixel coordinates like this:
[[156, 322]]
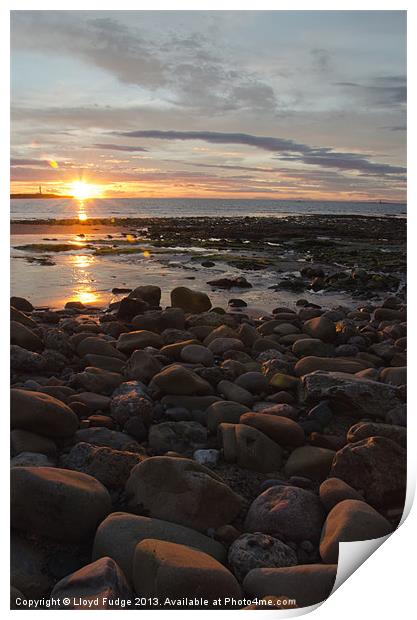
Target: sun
[[82, 190]]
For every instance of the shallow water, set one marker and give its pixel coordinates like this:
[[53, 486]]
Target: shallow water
[[79, 274], [22, 209]]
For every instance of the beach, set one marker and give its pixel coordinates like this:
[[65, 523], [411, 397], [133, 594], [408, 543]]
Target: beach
[[211, 392]]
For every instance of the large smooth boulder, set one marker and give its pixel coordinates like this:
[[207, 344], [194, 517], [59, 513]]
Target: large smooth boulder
[[118, 535], [41, 413], [219, 346], [249, 448], [375, 466], [176, 379], [306, 584], [394, 376], [181, 491], [24, 337], [102, 583], [224, 411], [282, 430], [190, 301], [148, 292], [98, 346], [321, 328], [197, 354], [310, 462], [332, 364], [349, 521], [56, 503], [258, 550], [287, 513], [142, 366], [231, 391], [181, 437], [363, 430], [130, 341], [312, 346], [165, 569], [25, 441], [334, 490], [350, 394]]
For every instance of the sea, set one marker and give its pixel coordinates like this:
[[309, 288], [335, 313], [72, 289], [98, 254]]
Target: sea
[[45, 209], [50, 278]]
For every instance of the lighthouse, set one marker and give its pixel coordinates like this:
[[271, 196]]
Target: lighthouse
[[40, 190]]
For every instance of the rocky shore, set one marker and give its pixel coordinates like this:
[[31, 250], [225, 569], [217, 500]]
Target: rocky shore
[[158, 453]]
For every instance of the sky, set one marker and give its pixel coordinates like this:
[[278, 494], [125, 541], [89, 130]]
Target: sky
[[212, 104]]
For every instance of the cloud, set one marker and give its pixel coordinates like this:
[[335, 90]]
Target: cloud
[[185, 70], [119, 147], [289, 150], [385, 91]]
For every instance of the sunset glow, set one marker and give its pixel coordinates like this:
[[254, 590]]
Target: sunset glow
[[82, 190]]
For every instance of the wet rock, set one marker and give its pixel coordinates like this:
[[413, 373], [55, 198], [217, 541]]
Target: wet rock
[[165, 569], [332, 364], [97, 380], [377, 467], [363, 430], [111, 467], [22, 304], [181, 437], [102, 581], [181, 491], [237, 282], [394, 376], [31, 459], [350, 520], [249, 448], [92, 401], [283, 431], [58, 504], [98, 346], [24, 337], [123, 407], [176, 379], [24, 360], [251, 551], [118, 535], [129, 308], [320, 328], [231, 391], [129, 342], [111, 364], [197, 354], [307, 584], [224, 411], [194, 302], [286, 512], [37, 412], [312, 346], [142, 366], [25, 441], [350, 394], [334, 490], [310, 462], [254, 382], [149, 293], [101, 436], [219, 346]]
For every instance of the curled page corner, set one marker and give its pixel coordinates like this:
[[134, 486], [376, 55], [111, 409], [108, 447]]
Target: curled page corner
[[354, 554]]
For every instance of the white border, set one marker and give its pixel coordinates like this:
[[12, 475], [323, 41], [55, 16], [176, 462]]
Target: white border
[[384, 585]]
